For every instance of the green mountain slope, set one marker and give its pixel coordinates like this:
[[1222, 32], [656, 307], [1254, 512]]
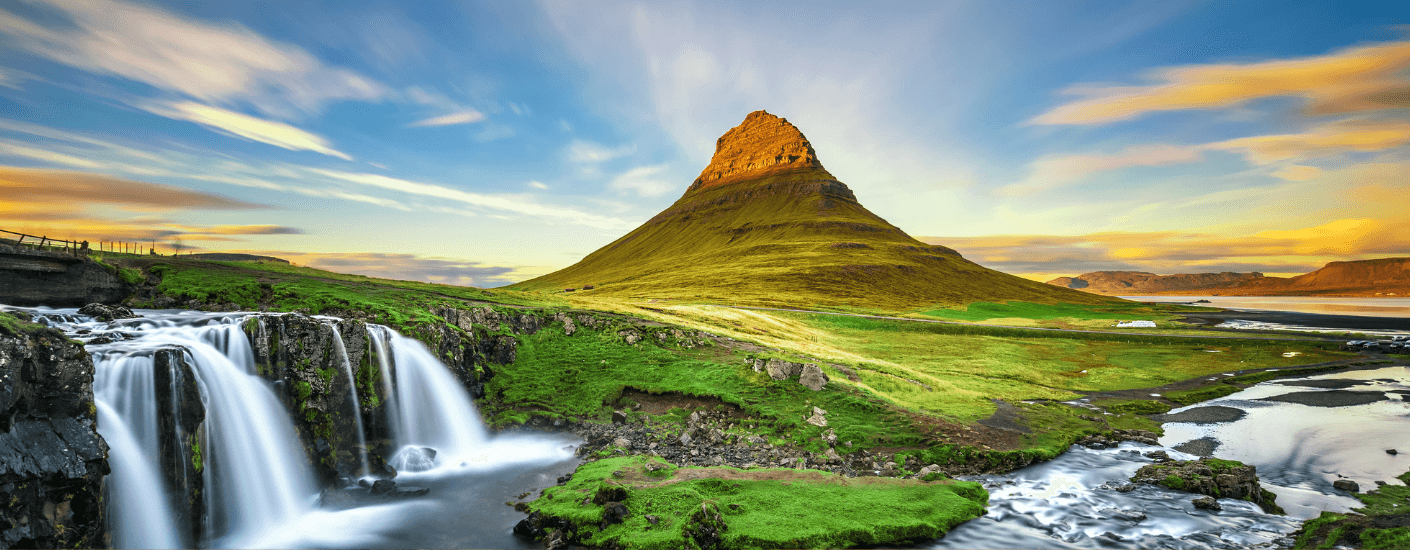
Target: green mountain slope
[[766, 224]]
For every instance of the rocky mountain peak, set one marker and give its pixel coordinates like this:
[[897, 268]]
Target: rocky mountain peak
[[760, 146]]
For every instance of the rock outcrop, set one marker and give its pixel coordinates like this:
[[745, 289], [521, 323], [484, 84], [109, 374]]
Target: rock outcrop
[[760, 146], [39, 278], [52, 460], [1212, 477], [808, 374]]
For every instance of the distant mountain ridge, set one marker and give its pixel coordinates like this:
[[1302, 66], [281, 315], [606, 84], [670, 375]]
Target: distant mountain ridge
[[1117, 283], [1364, 278], [766, 224]]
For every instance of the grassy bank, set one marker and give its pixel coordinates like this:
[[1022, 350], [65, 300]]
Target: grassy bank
[[1383, 524], [768, 508]]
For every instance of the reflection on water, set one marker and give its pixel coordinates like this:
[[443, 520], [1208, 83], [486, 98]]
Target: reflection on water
[[1372, 307], [1299, 450]]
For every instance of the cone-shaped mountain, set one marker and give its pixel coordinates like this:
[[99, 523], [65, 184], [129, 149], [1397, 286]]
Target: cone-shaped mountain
[[766, 224]]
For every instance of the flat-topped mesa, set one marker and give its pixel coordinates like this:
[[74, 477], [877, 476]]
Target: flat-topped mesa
[[762, 145]]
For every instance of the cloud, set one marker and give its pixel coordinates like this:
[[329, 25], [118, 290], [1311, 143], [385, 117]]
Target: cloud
[[1298, 172], [1165, 252], [588, 152], [463, 117], [405, 267], [277, 134], [537, 185], [645, 180], [252, 230], [215, 63], [1054, 171], [1335, 138], [493, 132], [473, 199], [1355, 79], [31, 185]]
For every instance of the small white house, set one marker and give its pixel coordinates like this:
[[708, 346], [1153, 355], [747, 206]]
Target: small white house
[[1136, 324]]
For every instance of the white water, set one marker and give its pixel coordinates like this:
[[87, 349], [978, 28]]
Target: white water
[[1299, 450], [432, 410], [352, 396], [259, 483]]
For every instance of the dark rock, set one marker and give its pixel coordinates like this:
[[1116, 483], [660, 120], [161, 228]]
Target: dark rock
[[652, 519], [1207, 476], [609, 493], [1346, 485], [106, 313], [1330, 398], [52, 460], [1202, 447], [37, 278], [619, 417], [383, 486], [706, 526], [1203, 415], [556, 540], [1392, 452], [1158, 456], [614, 512], [1207, 503]]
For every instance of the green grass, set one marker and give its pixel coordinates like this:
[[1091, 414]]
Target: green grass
[[597, 365], [967, 366], [1331, 529], [9, 324], [760, 508], [779, 241], [283, 287], [1129, 311]]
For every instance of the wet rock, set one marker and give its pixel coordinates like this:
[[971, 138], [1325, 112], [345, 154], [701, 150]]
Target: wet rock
[[1207, 476], [1126, 488], [1158, 456], [52, 460], [107, 313], [1346, 485], [383, 486], [1392, 452], [1207, 503], [1202, 447], [614, 512], [556, 540], [1203, 415], [1330, 398], [652, 519]]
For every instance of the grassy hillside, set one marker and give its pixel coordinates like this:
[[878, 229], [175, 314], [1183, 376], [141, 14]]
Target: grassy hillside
[[788, 240]]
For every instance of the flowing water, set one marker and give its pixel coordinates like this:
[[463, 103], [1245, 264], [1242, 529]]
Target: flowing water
[[1299, 450], [259, 483]]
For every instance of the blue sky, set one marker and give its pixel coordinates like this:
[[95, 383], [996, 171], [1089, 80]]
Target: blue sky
[[485, 143]]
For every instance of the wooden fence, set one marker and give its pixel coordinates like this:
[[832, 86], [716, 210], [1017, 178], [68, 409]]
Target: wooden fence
[[75, 248]]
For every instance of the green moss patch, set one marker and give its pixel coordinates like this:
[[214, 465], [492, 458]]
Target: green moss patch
[[1383, 524], [768, 508]]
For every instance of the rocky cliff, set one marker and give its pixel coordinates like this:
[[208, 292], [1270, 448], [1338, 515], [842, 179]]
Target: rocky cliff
[[1380, 277], [39, 278], [52, 460], [1118, 283]]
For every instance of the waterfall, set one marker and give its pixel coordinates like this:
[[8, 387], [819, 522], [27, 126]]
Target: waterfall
[[137, 508], [433, 411], [352, 394], [379, 338]]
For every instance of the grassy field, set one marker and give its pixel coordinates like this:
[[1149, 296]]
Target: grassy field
[[1381, 525], [767, 508]]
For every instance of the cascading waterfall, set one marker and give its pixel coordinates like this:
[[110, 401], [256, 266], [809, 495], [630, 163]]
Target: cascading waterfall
[[433, 410], [352, 394], [257, 483], [125, 395]]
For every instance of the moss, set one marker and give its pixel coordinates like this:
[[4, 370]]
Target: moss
[[196, 457], [1173, 482], [131, 276], [759, 508], [304, 389]]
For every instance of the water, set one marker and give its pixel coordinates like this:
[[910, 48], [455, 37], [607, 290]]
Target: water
[[1369, 307], [352, 397], [1299, 451], [259, 483]]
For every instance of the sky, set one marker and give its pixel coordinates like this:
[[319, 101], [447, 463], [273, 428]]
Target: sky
[[488, 143]]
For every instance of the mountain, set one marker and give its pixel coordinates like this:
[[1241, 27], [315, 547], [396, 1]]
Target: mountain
[[1382, 277], [766, 224], [1370, 278], [1125, 283]]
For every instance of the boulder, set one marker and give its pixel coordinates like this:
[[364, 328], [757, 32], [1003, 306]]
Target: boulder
[[107, 313], [1213, 477], [779, 369], [813, 377], [1346, 485], [1208, 503]]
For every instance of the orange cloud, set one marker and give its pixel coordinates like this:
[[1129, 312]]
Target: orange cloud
[[404, 267], [1326, 140], [1272, 251], [1355, 79], [33, 186]]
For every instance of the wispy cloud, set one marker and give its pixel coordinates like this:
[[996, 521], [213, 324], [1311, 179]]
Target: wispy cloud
[[1361, 78], [495, 202], [1054, 171], [31, 185], [463, 117], [1335, 138], [245, 126], [589, 152], [215, 63], [1165, 252], [645, 180], [405, 267]]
